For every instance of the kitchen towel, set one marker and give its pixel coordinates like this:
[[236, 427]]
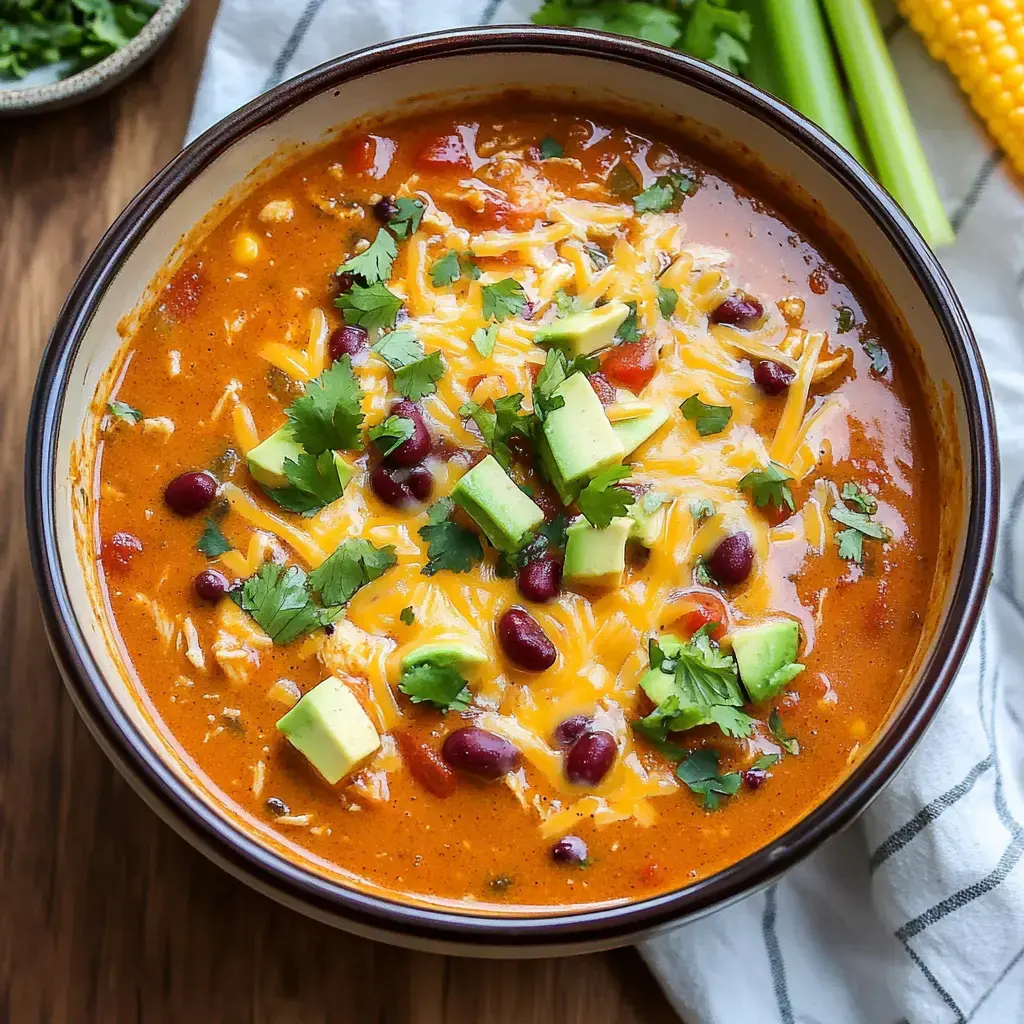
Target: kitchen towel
[[915, 913]]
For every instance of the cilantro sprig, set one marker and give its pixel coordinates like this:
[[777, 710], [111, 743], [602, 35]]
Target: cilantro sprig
[[213, 543], [279, 600], [601, 501], [668, 299], [708, 419], [451, 267], [700, 773], [668, 191], [628, 329], [499, 424], [502, 299], [313, 483], [441, 686], [416, 374], [374, 306], [352, 565], [449, 546], [405, 220], [788, 743], [374, 265], [859, 525], [329, 415], [391, 433], [769, 486], [398, 349], [123, 411]]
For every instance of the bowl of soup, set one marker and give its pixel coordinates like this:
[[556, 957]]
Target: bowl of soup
[[511, 491]]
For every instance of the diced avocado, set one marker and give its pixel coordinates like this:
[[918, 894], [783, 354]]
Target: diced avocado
[[568, 494], [633, 433], [444, 654], [330, 727], [658, 685], [596, 557], [766, 656], [647, 526], [267, 459], [581, 439], [497, 505], [580, 334]]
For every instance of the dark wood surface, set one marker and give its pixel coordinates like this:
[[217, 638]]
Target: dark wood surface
[[105, 914]]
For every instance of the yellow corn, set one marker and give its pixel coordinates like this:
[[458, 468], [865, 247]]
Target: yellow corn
[[983, 45]]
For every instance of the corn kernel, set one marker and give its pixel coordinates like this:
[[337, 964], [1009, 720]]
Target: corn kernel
[[246, 248], [859, 729]]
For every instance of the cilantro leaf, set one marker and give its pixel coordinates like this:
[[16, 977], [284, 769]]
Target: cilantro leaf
[[700, 772], [449, 546], [701, 573], [708, 419], [656, 726], [732, 721], [124, 411], [628, 330], [329, 415], [845, 319], [398, 349], [445, 270], [374, 265], [551, 376], [769, 485], [856, 495], [701, 509], [439, 685], [666, 193], [405, 221], [483, 339], [373, 307], [313, 481], [391, 433], [503, 299], [601, 502], [766, 761], [213, 543], [407, 615], [418, 379], [277, 598], [668, 299], [778, 730], [622, 182], [851, 545], [861, 525], [550, 147], [497, 427], [549, 537], [353, 564], [879, 357]]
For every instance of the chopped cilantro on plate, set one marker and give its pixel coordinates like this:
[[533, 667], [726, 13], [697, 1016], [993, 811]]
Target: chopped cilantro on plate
[[449, 545]]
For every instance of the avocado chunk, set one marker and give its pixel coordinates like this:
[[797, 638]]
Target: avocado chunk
[[581, 439], [632, 433], [494, 502], [331, 729], [567, 493], [581, 334], [766, 656], [444, 654], [647, 526], [266, 461], [597, 557]]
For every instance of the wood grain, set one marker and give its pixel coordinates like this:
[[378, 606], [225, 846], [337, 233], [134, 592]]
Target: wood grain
[[105, 914]]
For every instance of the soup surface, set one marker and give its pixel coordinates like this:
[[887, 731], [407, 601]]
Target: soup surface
[[512, 508]]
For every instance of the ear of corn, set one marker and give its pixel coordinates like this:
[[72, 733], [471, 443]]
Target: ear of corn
[[983, 45]]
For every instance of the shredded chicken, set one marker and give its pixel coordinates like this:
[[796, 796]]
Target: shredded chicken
[[351, 651], [277, 211], [158, 425], [239, 641]]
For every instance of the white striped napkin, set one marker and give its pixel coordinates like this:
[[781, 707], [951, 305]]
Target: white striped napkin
[[916, 913]]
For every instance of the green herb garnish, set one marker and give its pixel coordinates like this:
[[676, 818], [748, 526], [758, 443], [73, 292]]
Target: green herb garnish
[[391, 433], [416, 380], [701, 509], [407, 615], [787, 742], [373, 307], [503, 299], [770, 485], [601, 502], [313, 483], [124, 411], [213, 542], [550, 148], [700, 772], [708, 419], [484, 338], [668, 299], [845, 319], [666, 193], [329, 415], [628, 330], [353, 564], [398, 349], [405, 221], [449, 545], [439, 685], [498, 425], [374, 265], [451, 267], [280, 602]]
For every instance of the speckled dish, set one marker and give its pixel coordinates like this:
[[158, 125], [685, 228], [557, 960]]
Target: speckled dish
[[45, 89]]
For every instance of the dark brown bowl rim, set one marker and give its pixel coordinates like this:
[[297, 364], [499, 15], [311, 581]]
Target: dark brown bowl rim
[[232, 847]]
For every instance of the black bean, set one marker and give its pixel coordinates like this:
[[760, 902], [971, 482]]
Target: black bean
[[420, 482], [569, 730], [211, 585], [278, 808], [389, 488], [569, 850], [348, 341], [417, 448]]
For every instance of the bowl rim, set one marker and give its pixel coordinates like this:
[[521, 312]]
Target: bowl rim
[[238, 850]]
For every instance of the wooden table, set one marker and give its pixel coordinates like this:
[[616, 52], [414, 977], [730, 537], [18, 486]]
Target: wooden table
[[105, 914]]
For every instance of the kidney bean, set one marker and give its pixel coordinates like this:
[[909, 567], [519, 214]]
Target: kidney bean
[[385, 208], [117, 552], [211, 585], [733, 559], [426, 766], [348, 341], [344, 282], [603, 388], [420, 482], [753, 777], [590, 758], [389, 488], [524, 641], [546, 500], [540, 580], [417, 448], [738, 310], [569, 850], [773, 378], [479, 752], [190, 493], [569, 730]]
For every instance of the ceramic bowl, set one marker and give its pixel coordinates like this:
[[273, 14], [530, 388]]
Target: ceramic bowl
[[46, 88], [578, 67]]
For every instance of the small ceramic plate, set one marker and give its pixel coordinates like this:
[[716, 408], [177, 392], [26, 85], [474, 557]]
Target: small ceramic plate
[[46, 88]]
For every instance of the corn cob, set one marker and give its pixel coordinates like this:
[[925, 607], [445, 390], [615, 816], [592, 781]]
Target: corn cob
[[983, 45]]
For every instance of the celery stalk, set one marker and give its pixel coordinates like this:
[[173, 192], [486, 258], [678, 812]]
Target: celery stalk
[[899, 159], [806, 69]]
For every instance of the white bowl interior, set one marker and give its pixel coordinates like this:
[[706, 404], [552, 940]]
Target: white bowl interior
[[401, 89]]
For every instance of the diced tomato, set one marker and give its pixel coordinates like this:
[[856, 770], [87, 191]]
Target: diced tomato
[[446, 151], [700, 607], [182, 293], [426, 767], [603, 388], [631, 365], [118, 551], [370, 154]]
